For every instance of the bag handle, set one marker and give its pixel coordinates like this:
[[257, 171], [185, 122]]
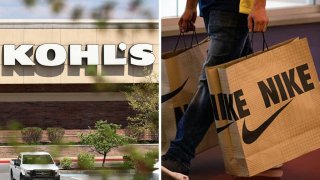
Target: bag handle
[[194, 35], [264, 42], [184, 41]]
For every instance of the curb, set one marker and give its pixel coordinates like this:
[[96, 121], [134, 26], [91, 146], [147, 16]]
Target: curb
[[4, 161]]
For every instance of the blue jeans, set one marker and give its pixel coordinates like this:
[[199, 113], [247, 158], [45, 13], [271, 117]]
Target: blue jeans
[[228, 32]]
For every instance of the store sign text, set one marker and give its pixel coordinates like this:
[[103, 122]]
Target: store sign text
[[56, 54]]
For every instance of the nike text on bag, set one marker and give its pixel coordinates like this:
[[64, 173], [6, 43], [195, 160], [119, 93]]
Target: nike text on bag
[[180, 76], [266, 107]]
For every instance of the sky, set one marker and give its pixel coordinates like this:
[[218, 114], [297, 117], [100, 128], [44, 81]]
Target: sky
[[16, 9]]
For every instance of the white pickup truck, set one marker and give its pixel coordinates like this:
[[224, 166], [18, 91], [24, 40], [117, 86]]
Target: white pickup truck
[[33, 166]]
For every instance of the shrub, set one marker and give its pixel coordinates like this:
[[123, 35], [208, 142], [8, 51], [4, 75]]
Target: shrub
[[66, 163], [85, 161], [31, 135], [127, 162], [55, 134]]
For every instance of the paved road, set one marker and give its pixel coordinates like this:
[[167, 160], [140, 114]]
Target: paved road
[[4, 175]]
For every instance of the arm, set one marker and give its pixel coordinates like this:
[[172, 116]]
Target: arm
[[188, 18], [258, 16]]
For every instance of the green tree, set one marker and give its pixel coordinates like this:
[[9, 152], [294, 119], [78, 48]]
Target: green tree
[[143, 99], [104, 138]]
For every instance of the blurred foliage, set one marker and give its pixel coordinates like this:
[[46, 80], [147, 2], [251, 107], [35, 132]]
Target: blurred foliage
[[30, 3], [13, 125], [77, 13], [102, 13], [127, 162], [86, 161], [135, 4], [57, 5], [142, 162], [91, 70], [66, 163], [143, 99], [31, 135], [104, 138]]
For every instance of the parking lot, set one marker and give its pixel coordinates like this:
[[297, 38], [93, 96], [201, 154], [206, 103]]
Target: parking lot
[[4, 174]]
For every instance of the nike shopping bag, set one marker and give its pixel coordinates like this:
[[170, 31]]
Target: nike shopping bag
[[266, 107], [180, 74]]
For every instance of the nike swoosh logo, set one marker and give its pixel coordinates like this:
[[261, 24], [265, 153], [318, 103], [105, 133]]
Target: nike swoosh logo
[[170, 95], [251, 136], [223, 127]]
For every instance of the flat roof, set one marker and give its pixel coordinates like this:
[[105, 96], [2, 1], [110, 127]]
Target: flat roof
[[82, 24]]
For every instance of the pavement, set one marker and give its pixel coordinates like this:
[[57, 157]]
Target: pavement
[[209, 166], [77, 174], [112, 175], [111, 161]]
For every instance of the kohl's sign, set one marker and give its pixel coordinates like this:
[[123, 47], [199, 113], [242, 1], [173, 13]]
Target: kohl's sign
[[55, 55]]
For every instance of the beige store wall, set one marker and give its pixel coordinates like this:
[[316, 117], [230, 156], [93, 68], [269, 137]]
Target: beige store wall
[[13, 33]]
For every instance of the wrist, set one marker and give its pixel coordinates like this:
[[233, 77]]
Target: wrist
[[191, 5], [259, 4], [190, 10]]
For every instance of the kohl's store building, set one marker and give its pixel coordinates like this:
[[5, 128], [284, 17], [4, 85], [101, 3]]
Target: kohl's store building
[[70, 74]]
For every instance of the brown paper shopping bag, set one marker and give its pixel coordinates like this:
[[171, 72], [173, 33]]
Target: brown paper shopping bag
[[266, 107], [180, 74]]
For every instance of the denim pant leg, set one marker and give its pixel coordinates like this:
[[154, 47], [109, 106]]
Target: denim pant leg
[[229, 40]]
